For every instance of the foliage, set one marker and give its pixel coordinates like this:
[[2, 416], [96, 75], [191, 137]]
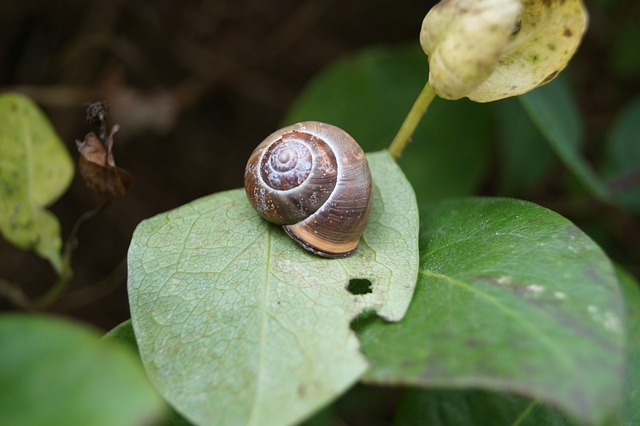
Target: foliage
[[518, 317], [536, 310]]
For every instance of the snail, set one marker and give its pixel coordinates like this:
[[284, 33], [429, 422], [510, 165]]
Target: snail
[[314, 180]]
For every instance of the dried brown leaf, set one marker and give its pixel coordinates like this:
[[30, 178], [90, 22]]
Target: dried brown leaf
[[98, 168]]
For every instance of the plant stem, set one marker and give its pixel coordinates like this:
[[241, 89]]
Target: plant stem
[[64, 279], [411, 121], [72, 239], [59, 286]]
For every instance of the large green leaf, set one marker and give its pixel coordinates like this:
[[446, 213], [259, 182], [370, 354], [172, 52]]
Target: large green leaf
[[54, 372], [236, 324], [555, 112], [369, 95], [631, 292], [511, 297], [35, 169], [621, 162]]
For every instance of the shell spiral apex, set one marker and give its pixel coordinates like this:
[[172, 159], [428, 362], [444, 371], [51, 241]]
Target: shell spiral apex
[[314, 180]]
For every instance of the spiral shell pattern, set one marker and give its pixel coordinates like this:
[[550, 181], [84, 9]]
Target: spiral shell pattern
[[312, 178]]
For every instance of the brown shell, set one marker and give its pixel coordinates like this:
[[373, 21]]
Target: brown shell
[[312, 178]]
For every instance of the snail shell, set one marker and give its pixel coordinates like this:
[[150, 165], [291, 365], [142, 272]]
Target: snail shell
[[312, 178]]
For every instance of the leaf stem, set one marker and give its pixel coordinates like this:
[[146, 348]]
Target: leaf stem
[[411, 121], [64, 279], [72, 239], [59, 286]]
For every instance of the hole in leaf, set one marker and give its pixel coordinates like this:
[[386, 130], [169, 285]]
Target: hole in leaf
[[359, 286], [363, 320]]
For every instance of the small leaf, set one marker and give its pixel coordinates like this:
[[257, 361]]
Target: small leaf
[[631, 292], [474, 408], [621, 162], [123, 333], [492, 49], [35, 169], [236, 324], [54, 372], [511, 297], [555, 112], [370, 93]]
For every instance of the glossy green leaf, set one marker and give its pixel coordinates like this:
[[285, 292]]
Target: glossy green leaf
[[631, 292], [473, 408], [511, 297], [54, 372], [370, 94], [525, 157], [35, 169], [236, 324], [621, 162], [555, 112]]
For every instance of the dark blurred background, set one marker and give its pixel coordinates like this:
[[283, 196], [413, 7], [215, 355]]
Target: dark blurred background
[[195, 85]]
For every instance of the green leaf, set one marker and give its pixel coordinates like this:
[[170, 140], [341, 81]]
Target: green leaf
[[511, 297], [473, 408], [236, 324], [631, 292], [555, 112], [621, 163], [35, 169], [369, 95], [123, 334], [525, 158], [54, 372]]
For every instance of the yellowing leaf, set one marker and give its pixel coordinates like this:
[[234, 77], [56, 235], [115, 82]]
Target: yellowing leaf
[[35, 169], [464, 39], [492, 49]]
